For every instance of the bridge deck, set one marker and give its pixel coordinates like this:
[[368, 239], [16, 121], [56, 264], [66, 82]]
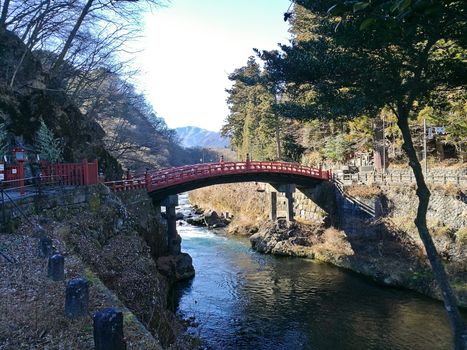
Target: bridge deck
[[156, 180]]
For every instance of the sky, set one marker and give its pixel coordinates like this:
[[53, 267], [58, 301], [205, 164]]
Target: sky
[[190, 47]]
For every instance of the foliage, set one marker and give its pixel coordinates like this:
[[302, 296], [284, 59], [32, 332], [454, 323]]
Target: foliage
[[362, 57], [452, 115], [292, 149], [336, 148], [252, 122], [4, 144], [49, 147]]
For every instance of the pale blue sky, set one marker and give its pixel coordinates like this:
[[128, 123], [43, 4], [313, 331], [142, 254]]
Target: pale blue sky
[[191, 46]]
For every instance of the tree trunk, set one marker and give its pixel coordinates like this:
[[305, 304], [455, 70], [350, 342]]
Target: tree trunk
[[278, 143], [4, 13], [423, 194], [71, 37]]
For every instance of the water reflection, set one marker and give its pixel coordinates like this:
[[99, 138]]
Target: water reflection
[[245, 300]]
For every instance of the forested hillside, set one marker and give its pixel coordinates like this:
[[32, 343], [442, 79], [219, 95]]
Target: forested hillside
[[363, 76], [336, 90], [63, 66]]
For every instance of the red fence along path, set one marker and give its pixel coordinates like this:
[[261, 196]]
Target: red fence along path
[[163, 178], [68, 174]]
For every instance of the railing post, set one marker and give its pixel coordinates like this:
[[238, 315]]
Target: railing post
[[95, 173], [3, 204], [85, 172], [147, 179], [21, 178]]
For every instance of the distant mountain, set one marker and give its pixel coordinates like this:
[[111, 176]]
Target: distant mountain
[[192, 136]]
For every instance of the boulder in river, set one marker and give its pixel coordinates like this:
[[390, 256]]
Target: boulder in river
[[213, 220], [176, 267], [196, 221]]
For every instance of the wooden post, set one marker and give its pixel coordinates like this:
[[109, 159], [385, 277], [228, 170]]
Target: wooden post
[[147, 179], [85, 172], [95, 172], [21, 178]]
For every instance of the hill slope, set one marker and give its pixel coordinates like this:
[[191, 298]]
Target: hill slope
[[192, 136]]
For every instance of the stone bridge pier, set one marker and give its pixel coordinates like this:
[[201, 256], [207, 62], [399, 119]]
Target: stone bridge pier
[[288, 190], [173, 239]]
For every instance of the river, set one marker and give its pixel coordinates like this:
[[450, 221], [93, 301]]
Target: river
[[240, 299]]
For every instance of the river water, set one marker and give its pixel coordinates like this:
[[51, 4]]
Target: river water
[[240, 299]]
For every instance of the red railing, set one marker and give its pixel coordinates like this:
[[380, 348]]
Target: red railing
[[159, 179], [64, 174]]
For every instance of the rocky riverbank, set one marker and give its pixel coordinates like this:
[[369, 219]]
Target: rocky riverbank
[[116, 244], [386, 249]]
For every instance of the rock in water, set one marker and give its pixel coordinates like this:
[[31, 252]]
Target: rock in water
[[176, 267]]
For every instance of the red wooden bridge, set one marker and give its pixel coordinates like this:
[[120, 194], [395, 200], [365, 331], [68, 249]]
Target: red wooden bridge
[[163, 182]]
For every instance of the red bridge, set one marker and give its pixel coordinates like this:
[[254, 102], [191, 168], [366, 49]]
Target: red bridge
[[164, 182]]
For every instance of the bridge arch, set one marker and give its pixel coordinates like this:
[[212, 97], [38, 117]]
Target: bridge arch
[[163, 183]]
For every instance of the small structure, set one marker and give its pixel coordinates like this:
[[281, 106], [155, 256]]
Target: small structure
[[77, 298]]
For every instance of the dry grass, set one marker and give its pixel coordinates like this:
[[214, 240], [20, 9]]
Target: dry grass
[[461, 235], [363, 191], [450, 189], [334, 240], [241, 199], [32, 306]]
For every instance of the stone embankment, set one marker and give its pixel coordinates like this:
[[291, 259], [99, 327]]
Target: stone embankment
[[115, 243], [383, 245]]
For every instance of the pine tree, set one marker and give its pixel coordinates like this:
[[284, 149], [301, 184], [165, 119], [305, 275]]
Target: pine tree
[[4, 146], [49, 147]]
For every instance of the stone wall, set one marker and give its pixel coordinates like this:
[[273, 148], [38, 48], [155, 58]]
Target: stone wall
[[324, 204], [119, 238], [448, 209]]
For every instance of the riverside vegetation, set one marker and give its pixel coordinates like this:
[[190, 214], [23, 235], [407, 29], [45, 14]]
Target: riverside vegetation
[[113, 242], [386, 249]]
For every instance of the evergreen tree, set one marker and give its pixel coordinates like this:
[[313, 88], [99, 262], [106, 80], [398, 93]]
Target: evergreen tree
[[49, 147], [361, 57], [4, 145]]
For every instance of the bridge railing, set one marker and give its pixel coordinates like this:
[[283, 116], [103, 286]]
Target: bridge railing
[[162, 178], [173, 176]]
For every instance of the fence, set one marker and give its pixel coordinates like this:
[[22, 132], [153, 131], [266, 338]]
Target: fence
[[67, 174], [354, 200], [402, 178], [51, 176]]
